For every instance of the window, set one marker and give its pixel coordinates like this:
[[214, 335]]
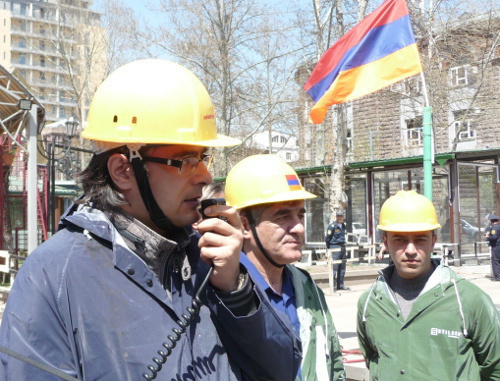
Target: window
[[87, 53], [24, 8], [412, 86], [62, 96], [467, 129], [414, 131], [22, 42], [288, 156], [462, 75], [465, 125], [42, 61], [62, 112], [42, 76], [22, 59], [279, 139], [42, 45], [349, 140]]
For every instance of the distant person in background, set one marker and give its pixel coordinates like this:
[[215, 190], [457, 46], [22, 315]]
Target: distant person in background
[[335, 239], [381, 252], [212, 190], [493, 238]]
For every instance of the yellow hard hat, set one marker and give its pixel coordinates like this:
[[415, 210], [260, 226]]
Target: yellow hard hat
[[153, 102], [262, 179], [408, 211]]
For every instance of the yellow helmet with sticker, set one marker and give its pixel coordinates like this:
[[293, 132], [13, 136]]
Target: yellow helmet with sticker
[[262, 179]]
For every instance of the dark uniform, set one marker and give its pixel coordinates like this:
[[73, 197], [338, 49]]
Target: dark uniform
[[335, 239], [493, 237]]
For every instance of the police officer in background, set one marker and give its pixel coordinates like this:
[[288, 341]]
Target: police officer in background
[[493, 238], [335, 239]]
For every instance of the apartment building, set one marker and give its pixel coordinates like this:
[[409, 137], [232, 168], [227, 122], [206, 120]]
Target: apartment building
[[57, 48]]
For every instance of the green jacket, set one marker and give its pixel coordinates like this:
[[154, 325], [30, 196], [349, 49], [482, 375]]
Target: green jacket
[[452, 332], [322, 355]]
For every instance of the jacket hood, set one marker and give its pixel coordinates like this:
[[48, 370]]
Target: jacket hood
[[443, 277], [89, 219], [97, 223]]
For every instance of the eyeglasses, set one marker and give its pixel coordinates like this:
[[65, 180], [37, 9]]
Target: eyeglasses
[[186, 166]]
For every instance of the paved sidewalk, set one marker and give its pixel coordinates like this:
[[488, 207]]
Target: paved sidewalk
[[343, 306]]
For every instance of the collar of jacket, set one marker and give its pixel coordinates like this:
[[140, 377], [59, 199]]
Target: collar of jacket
[[98, 224], [150, 246], [443, 276]]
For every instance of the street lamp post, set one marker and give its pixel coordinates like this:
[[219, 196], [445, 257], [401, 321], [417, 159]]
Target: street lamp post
[[58, 137]]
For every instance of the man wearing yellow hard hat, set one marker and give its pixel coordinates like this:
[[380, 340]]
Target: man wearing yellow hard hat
[[421, 320], [126, 290], [270, 198]]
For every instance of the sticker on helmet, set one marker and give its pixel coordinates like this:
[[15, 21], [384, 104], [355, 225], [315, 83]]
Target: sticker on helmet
[[293, 182]]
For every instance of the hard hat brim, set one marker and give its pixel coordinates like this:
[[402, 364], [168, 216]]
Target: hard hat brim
[[409, 227], [281, 197], [101, 145]]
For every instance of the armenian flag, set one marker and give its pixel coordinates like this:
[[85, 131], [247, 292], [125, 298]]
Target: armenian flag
[[377, 52], [293, 182]]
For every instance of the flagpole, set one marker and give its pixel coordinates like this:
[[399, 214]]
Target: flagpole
[[428, 141]]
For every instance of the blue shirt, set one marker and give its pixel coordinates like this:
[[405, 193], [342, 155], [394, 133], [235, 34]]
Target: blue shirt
[[285, 302]]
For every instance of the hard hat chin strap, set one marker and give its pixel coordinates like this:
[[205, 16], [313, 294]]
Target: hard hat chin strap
[[261, 248], [155, 212]]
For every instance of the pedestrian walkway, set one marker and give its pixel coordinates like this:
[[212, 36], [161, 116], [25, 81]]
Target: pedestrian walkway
[[343, 307]]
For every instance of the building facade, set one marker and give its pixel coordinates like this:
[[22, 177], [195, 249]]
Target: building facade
[[383, 136]]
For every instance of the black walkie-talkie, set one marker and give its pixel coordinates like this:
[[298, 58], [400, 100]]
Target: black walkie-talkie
[[209, 202], [191, 313]]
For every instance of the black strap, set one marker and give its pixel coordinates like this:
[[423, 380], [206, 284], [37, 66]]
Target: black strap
[[155, 213], [261, 248], [38, 364]]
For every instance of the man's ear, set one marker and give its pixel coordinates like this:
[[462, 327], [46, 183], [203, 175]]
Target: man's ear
[[121, 171], [434, 239], [246, 227], [384, 240]]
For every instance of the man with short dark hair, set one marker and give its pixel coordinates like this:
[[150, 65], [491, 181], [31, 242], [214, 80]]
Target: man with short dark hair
[[421, 320], [126, 289]]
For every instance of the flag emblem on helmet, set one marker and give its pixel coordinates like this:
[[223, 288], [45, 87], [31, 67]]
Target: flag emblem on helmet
[[293, 182]]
